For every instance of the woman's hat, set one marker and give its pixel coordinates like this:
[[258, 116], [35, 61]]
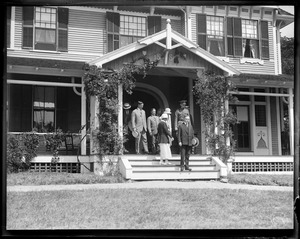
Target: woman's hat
[[164, 116], [182, 101], [167, 111], [126, 106], [135, 134], [195, 142]]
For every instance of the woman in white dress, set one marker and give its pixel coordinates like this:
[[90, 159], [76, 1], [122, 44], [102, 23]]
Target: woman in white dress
[[164, 138]]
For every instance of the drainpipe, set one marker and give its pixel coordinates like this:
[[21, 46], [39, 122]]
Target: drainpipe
[[187, 22]]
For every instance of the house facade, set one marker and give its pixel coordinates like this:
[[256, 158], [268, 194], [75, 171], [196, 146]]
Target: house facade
[[48, 46]]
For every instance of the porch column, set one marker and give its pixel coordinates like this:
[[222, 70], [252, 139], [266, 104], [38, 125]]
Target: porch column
[[291, 120], [83, 120], [94, 121], [278, 123], [269, 129], [191, 98], [120, 113]]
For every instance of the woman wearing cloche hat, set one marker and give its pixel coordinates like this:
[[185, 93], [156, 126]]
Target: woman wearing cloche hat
[[164, 138]]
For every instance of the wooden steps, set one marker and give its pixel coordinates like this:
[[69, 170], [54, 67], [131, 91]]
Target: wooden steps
[[147, 167]]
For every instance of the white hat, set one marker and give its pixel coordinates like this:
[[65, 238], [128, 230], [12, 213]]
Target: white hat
[[167, 111], [164, 116], [195, 142]]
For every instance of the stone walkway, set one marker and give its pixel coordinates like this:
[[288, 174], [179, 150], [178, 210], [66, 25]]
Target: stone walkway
[[148, 184]]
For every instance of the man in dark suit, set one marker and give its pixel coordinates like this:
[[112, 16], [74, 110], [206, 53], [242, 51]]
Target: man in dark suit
[[185, 136], [139, 125]]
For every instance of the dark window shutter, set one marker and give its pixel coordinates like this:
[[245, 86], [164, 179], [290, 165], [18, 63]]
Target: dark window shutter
[[230, 46], [237, 27], [202, 41], [63, 21], [154, 24], [238, 46], [8, 17], [113, 27], [264, 40], [201, 23], [230, 26], [28, 26]]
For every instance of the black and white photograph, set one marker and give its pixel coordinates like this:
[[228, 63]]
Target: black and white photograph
[[179, 119]]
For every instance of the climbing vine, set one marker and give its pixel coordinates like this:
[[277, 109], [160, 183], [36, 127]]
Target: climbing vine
[[103, 83], [211, 92]]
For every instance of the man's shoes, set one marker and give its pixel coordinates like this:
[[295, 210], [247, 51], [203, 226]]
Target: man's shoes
[[181, 168], [188, 169]]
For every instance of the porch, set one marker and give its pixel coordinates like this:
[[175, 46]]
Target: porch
[[147, 167]]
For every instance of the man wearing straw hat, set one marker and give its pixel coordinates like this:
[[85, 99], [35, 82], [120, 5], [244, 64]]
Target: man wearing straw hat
[[139, 126], [127, 126]]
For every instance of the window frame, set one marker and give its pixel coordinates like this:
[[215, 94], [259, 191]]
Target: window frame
[[29, 30]]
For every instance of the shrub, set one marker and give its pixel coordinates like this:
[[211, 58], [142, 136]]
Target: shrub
[[21, 150]]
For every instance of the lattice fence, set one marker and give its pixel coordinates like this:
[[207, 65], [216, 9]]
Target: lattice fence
[[57, 167], [262, 166]]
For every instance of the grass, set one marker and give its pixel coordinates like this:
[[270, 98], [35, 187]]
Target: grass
[[263, 179], [150, 209], [47, 178]]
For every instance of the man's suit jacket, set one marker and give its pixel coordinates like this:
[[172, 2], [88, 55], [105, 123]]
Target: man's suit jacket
[[152, 123], [163, 133], [138, 120], [185, 134]]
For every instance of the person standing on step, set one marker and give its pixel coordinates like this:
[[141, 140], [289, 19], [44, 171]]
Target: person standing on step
[[169, 121], [185, 137], [180, 114], [164, 137], [139, 126], [152, 124], [127, 127]]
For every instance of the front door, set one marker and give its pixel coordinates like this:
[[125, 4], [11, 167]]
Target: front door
[[241, 131]]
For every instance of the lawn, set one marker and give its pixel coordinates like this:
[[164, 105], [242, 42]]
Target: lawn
[[47, 178], [150, 209]]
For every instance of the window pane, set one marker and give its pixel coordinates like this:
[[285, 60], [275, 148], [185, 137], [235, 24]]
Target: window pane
[[250, 48], [45, 36], [129, 25], [249, 29], [260, 115]]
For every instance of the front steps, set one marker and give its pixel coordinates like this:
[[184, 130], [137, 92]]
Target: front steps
[[147, 167]]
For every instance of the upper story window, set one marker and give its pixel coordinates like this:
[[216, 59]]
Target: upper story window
[[45, 28], [244, 38], [125, 29], [250, 39], [132, 28], [211, 34]]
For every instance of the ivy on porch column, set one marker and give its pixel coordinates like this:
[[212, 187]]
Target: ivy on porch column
[[94, 122]]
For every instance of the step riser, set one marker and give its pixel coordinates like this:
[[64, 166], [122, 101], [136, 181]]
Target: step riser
[[152, 157], [179, 175], [133, 164], [171, 169]]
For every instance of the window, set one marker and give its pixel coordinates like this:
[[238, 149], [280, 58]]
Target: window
[[125, 29], [260, 115], [45, 28], [245, 40], [44, 109], [250, 39], [211, 34], [132, 28]]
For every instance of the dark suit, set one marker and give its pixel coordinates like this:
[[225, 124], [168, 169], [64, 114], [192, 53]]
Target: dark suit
[[164, 134], [185, 136]]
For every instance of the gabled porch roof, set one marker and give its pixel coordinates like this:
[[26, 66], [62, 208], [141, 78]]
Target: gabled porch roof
[[172, 40]]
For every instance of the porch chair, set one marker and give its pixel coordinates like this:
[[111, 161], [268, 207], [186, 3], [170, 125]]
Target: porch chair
[[69, 143]]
